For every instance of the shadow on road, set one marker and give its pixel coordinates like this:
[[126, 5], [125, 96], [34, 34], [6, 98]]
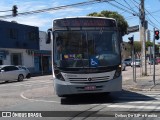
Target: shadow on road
[[115, 97], [13, 81]]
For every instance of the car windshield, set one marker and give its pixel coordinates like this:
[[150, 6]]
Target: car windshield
[[138, 60], [127, 60], [84, 49]]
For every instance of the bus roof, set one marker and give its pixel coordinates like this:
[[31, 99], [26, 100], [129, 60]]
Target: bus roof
[[85, 17]]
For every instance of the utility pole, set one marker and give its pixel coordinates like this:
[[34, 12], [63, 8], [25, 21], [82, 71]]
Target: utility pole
[[142, 38], [154, 56], [156, 36]]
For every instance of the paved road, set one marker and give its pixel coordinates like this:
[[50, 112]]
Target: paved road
[[36, 94]]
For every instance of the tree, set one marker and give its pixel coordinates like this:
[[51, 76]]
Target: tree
[[137, 48], [122, 23], [148, 43]]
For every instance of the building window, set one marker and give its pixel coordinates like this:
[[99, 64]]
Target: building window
[[32, 36], [16, 59], [13, 33]]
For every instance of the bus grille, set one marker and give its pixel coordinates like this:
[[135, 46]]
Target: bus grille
[[86, 80]]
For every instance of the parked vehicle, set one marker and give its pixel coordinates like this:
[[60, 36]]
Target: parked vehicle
[[11, 72], [123, 66], [28, 73], [151, 62], [136, 63], [127, 61], [158, 60]]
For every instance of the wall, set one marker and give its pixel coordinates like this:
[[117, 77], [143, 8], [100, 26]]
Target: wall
[[14, 35], [42, 41], [27, 60]]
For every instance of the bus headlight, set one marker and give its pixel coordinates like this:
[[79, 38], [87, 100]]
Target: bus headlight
[[118, 72], [58, 75]]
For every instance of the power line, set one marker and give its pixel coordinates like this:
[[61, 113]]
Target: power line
[[136, 5], [131, 12], [149, 14], [130, 17], [126, 7], [6, 11], [129, 5], [151, 23], [155, 11], [152, 16], [136, 1], [60, 7]]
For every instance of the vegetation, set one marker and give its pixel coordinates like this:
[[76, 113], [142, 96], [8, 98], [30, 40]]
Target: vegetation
[[138, 46], [122, 23]]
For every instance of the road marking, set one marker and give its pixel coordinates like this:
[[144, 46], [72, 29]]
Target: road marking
[[140, 102], [140, 98], [30, 99], [144, 101]]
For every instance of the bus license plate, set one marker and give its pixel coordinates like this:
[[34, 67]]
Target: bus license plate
[[90, 87]]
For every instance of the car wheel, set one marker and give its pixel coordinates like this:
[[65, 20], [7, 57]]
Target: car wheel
[[20, 77], [28, 76]]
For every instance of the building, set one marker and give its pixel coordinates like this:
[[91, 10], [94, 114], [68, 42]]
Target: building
[[18, 43], [42, 57], [125, 50], [148, 35]]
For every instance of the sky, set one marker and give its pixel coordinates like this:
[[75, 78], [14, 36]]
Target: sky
[[44, 20]]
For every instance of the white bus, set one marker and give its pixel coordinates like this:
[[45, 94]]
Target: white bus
[[86, 55]]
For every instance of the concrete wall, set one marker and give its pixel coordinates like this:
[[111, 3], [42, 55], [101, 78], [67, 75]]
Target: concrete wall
[[42, 38], [27, 60]]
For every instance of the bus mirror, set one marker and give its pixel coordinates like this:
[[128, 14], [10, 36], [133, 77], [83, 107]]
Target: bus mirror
[[48, 40]]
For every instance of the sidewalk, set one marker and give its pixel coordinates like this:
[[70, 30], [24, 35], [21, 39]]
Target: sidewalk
[[144, 83], [40, 74]]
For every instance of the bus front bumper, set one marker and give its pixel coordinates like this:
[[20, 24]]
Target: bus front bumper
[[64, 88]]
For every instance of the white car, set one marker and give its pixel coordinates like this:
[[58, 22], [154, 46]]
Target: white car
[[136, 63], [11, 72], [26, 70], [127, 61]]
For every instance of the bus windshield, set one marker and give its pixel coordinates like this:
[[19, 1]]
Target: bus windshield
[[81, 49]]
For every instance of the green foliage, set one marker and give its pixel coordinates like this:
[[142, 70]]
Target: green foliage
[[148, 43], [137, 46], [122, 23]]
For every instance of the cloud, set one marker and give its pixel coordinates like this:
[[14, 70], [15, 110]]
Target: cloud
[[44, 20], [32, 20]]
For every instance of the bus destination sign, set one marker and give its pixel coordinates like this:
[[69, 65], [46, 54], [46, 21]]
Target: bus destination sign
[[85, 22]]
